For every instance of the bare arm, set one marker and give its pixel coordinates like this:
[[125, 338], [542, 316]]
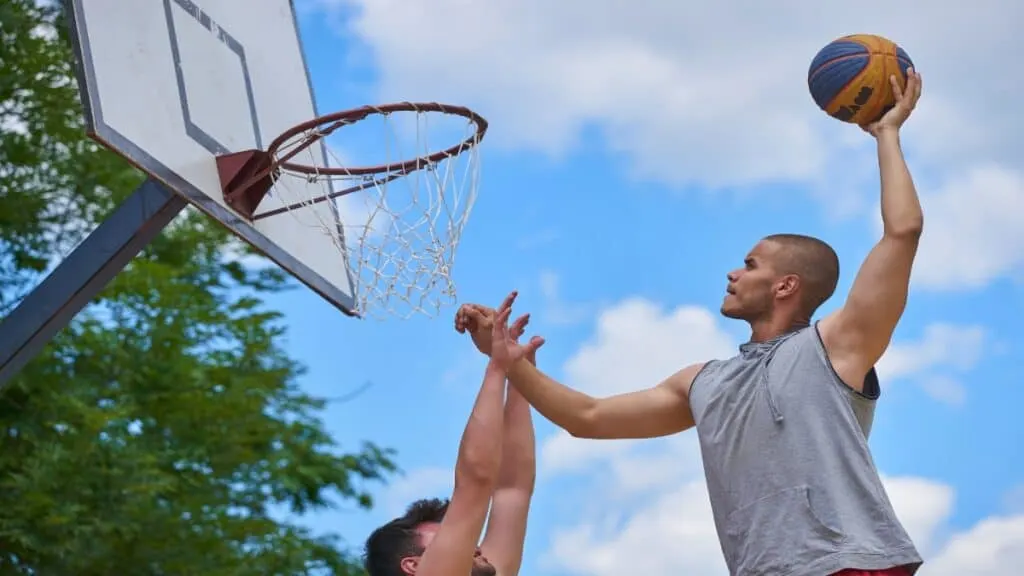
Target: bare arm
[[476, 474], [510, 505], [858, 334], [658, 411]]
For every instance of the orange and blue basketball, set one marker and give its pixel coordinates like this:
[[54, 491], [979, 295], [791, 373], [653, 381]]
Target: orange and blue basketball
[[849, 78]]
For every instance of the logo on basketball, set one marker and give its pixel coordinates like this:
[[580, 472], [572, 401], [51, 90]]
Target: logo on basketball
[[845, 113]]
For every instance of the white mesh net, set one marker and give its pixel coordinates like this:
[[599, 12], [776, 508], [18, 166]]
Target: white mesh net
[[399, 229]]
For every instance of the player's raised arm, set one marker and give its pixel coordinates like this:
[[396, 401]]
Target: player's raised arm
[[453, 548], [658, 411], [510, 505], [859, 332]]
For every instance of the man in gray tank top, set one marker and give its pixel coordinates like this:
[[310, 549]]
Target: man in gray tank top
[[783, 426]]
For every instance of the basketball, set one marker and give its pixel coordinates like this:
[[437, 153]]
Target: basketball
[[849, 78]]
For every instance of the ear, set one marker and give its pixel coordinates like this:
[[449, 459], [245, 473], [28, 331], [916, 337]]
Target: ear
[[409, 565], [787, 286]]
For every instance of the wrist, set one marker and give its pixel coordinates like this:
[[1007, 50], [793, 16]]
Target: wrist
[[494, 367], [887, 133]]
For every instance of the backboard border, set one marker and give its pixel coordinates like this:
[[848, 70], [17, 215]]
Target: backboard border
[[117, 143]]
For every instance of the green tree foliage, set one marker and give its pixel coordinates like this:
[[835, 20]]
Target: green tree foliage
[[163, 432]]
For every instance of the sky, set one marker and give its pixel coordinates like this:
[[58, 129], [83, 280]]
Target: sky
[[636, 152]]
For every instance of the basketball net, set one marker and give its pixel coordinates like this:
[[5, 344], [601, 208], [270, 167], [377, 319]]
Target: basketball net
[[399, 227]]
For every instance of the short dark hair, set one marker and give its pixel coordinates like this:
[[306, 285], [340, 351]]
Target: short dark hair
[[398, 539], [814, 261]]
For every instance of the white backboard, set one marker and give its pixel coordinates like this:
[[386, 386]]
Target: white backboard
[[172, 84]]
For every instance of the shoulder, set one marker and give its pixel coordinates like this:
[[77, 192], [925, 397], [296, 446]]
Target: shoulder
[[681, 382]]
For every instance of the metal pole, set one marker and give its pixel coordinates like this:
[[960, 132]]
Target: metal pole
[[86, 271]]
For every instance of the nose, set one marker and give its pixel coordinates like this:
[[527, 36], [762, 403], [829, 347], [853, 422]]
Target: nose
[[733, 276]]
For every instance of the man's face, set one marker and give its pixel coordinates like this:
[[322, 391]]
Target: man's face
[[749, 293], [481, 567]]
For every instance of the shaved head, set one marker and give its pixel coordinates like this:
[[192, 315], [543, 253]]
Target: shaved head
[[813, 261]]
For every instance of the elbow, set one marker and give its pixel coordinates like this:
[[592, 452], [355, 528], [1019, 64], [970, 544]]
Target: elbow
[[910, 229], [584, 423], [478, 469]]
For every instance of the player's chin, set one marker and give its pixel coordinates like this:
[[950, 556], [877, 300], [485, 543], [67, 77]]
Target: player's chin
[[729, 308], [483, 568]]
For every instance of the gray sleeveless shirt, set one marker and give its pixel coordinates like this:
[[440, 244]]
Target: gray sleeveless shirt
[[793, 486]]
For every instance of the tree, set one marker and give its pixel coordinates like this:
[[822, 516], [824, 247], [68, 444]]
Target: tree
[[160, 431]]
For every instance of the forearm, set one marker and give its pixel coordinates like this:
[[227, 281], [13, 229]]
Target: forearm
[[480, 450], [518, 455], [901, 209], [565, 407], [510, 505], [519, 462]]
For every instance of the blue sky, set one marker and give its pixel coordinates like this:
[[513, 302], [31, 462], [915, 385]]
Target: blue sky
[[616, 211]]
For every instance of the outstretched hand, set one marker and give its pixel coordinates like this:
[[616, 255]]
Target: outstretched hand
[[478, 320], [906, 101], [505, 348]]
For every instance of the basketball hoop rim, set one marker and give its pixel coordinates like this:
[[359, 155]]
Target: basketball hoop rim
[[347, 117]]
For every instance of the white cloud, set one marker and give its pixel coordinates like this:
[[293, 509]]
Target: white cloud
[[922, 506], [715, 94], [653, 515], [972, 230], [944, 389], [672, 533], [712, 93], [942, 345], [990, 548], [928, 362], [429, 482], [638, 343]]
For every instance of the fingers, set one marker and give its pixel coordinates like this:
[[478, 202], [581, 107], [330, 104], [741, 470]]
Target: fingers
[[897, 92], [471, 317], [486, 311], [461, 317], [534, 344], [502, 317], [912, 92], [519, 326], [500, 329], [507, 304], [504, 311], [475, 316]]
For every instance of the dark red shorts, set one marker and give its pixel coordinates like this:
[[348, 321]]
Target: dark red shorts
[[897, 571]]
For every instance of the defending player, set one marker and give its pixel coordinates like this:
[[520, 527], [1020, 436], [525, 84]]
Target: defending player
[[495, 471], [783, 425]]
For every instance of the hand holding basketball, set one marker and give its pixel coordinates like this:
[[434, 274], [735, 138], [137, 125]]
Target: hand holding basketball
[[906, 101], [505, 349]]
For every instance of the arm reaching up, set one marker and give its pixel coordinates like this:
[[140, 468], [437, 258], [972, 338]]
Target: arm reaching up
[[858, 334], [453, 549], [510, 505]]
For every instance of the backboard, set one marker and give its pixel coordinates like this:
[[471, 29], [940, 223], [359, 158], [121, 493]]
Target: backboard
[[171, 84]]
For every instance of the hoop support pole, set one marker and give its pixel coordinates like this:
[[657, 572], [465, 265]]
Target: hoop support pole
[[82, 274]]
